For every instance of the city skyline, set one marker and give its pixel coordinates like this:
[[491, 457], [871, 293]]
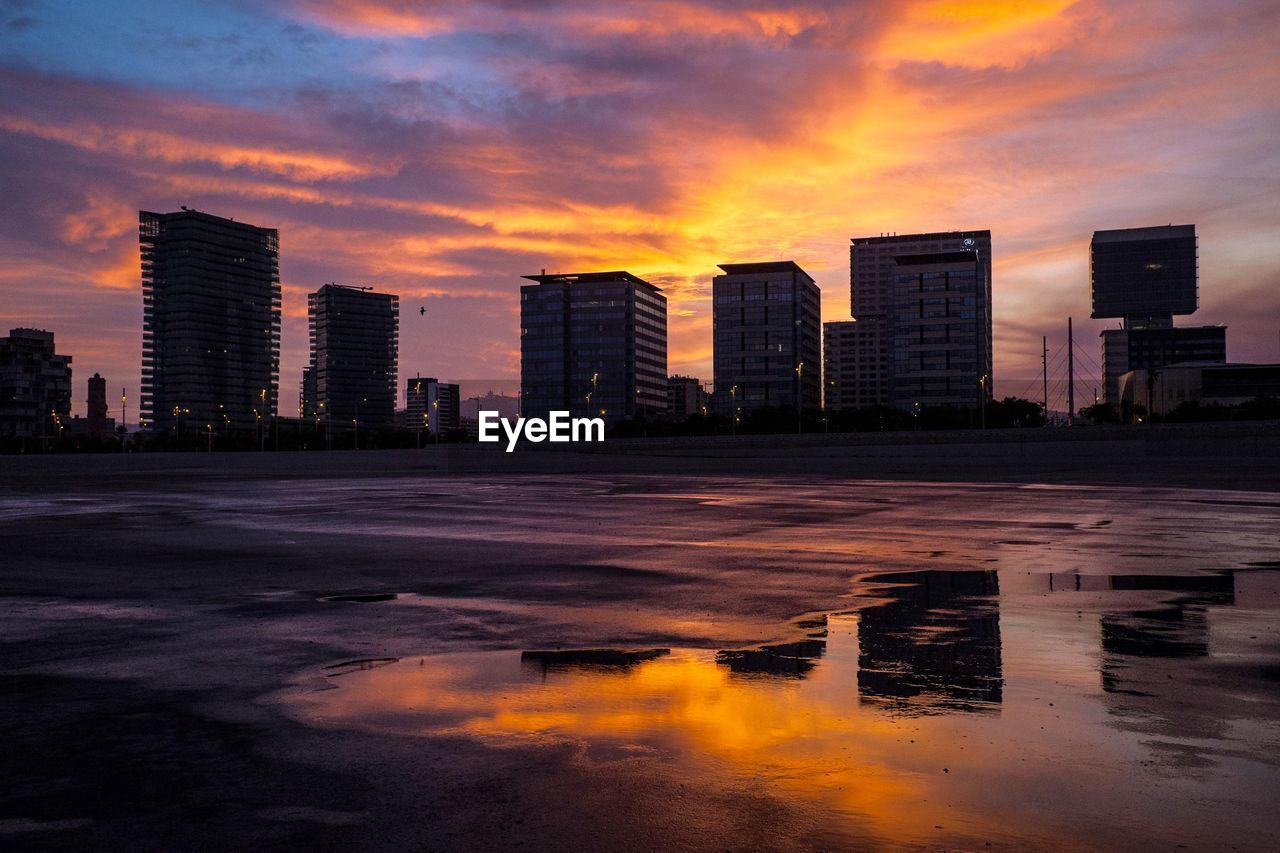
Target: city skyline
[[441, 155]]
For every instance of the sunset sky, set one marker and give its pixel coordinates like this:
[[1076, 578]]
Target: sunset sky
[[440, 150]]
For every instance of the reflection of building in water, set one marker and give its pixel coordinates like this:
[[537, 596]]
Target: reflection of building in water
[[794, 659], [1174, 628], [934, 645], [1162, 677], [564, 659]]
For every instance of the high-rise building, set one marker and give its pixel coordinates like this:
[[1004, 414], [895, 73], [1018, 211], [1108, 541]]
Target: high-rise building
[[941, 331], [431, 404], [307, 394], [211, 320], [766, 321], [35, 386], [1145, 276], [594, 345], [868, 359], [354, 346], [854, 361], [685, 397]]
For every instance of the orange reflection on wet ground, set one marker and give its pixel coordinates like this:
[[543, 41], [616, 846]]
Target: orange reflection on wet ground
[[961, 709]]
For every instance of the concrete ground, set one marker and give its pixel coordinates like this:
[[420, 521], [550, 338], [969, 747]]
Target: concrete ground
[[153, 608]]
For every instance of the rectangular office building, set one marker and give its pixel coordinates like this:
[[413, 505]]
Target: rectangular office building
[[593, 344], [354, 348], [766, 321], [1125, 350], [873, 269], [941, 331], [211, 321], [1144, 275], [855, 356], [431, 405]]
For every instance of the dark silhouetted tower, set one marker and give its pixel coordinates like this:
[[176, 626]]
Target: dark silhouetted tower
[[766, 323], [354, 349], [593, 344], [211, 320], [1145, 276], [925, 335]]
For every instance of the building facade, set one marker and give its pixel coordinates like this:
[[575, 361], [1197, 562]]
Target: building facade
[[766, 322], [1125, 350], [354, 336], [211, 320], [35, 387], [1144, 277], [941, 331], [1162, 390], [854, 363], [431, 405], [868, 358], [685, 397], [594, 345]]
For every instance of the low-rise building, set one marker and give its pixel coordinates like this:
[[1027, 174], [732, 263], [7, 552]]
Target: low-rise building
[[35, 386], [1161, 390], [685, 397]]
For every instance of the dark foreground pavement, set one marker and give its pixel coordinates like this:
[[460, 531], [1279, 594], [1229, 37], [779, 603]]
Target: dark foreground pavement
[[151, 621]]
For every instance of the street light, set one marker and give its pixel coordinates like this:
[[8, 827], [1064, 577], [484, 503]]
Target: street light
[[799, 382], [982, 398]]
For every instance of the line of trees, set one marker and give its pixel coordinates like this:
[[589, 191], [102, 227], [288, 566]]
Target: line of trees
[[1190, 411], [1008, 413]]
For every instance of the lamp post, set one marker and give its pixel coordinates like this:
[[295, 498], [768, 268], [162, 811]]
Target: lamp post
[[982, 398], [435, 404], [799, 383]]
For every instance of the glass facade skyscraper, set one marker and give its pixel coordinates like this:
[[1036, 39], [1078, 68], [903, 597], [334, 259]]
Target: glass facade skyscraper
[[766, 320], [893, 333], [594, 345], [354, 349], [1144, 275], [941, 347]]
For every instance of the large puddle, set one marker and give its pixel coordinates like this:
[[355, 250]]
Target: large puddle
[[945, 708]]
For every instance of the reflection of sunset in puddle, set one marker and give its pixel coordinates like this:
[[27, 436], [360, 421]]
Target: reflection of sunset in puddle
[[966, 704]]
